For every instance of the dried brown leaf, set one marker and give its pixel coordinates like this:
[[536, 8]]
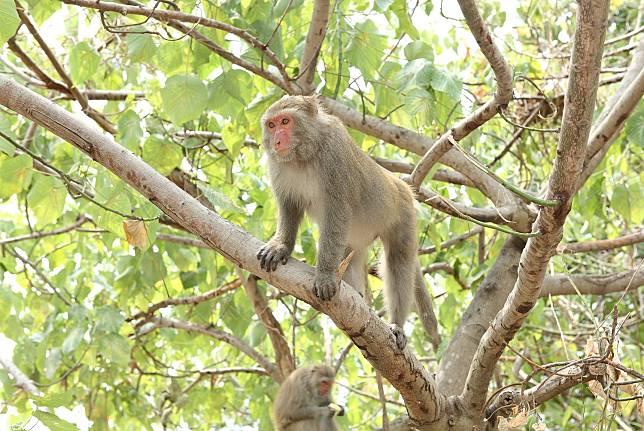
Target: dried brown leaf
[[342, 268], [135, 233]]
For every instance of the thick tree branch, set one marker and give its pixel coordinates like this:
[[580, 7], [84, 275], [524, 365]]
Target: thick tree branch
[[283, 356], [473, 121], [217, 334], [347, 308], [606, 131], [312, 46], [580, 102], [22, 381], [601, 244], [591, 284], [488, 300]]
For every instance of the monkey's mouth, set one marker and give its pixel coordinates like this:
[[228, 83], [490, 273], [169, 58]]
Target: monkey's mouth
[[279, 148]]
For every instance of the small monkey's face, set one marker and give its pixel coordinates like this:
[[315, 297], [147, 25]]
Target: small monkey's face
[[325, 386], [279, 129]]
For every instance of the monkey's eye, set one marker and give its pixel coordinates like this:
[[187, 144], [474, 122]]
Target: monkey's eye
[[271, 124], [284, 120]]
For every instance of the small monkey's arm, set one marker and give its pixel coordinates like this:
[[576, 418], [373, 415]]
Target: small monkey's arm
[[280, 247], [311, 412]]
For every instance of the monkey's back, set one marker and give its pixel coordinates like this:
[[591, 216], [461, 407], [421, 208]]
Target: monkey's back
[[375, 194]]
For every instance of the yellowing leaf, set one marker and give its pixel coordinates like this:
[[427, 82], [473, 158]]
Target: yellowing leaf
[[519, 420], [136, 233], [342, 268]]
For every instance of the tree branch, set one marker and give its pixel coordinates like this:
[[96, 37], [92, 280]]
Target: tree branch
[[43, 234], [312, 46], [347, 308], [479, 117], [21, 379], [283, 356], [581, 94], [592, 284], [599, 245], [618, 108], [80, 97], [187, 300], [217, 334]]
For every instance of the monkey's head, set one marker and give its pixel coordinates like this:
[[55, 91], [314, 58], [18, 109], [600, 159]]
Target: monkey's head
[[288, 128], [321, 378]]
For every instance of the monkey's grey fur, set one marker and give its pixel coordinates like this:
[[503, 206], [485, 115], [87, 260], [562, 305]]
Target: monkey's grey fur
[[353, 200], [299, 406]]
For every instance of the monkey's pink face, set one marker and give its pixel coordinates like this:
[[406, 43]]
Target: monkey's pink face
[[280, 129], [325, 386]]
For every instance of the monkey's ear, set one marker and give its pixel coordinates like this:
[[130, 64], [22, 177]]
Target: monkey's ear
[[312, 104]]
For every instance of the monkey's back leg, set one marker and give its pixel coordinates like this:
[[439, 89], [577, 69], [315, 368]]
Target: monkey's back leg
[[399, 268]]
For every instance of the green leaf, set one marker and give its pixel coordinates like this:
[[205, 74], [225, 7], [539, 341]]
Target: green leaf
[[115, 348], [404, 21], [184, 98], [621, 201], [108, 319], [54, 359], [46, 199], [53, 422], [9, 20], [220, 201], [5, 127], [129, 130], [419, 49], [54, 400], [83, 62], [635, 125], [162, 155], [257, 333], [366, 48], [15, 175], [444, 82], [73, 340], [140, 48]]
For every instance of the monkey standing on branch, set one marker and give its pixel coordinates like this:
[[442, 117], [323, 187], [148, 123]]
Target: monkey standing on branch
[[303, 402], [315, 167]]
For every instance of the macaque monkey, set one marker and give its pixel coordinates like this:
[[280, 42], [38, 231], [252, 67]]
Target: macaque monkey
[[303, 402], [315, 167]]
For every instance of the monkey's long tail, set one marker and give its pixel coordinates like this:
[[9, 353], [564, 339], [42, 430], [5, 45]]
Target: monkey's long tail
[[426, 310]]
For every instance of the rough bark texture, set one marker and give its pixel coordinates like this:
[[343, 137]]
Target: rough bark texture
[[488, 300], [580, 103]]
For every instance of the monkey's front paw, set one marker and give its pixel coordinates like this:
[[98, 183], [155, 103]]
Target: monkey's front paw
[[399, 336], [336, 410], [272, 254], [325, 286]]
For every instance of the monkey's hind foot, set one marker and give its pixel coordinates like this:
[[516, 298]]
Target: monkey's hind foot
[[325, 286], [399, 336], [272, 254]]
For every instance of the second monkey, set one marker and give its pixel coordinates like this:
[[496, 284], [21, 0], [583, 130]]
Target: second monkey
[[315, 167]]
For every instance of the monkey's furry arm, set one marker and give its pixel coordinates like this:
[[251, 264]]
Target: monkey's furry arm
[[280, 247], [309, 412], [333, 242]]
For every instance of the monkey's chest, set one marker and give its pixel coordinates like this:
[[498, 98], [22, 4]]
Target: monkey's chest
[[302, 186]]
